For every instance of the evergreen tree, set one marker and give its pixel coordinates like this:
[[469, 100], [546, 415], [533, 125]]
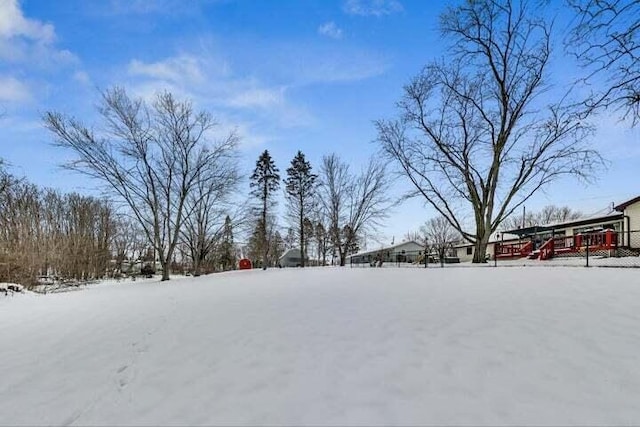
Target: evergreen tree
[[265, 180], [300, 186]]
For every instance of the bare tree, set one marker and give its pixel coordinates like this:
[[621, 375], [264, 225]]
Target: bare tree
[[323, 241], [471, 138], [414, 236], [150, 157], [548, 215], [606, 40], [43, 232], [126, 243], [353, 203], [210, 203], [440, 235]]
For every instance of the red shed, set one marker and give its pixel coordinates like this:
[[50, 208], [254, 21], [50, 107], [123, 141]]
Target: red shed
[[244, 264]]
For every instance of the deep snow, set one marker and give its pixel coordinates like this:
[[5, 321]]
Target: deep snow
[[329, 346]]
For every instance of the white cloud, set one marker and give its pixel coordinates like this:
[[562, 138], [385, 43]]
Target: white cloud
[[251, 107], [330, 29], [372, 7], [12, 90], [27, 48], [82, 77], [175, 69], [14, 24], [259, 97], [185, 74], [329, 66], [146, 7]]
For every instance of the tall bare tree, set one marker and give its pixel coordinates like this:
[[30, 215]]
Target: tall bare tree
[[148, 156], [606, 40], [471, 138], [209, 204], [353, 203]]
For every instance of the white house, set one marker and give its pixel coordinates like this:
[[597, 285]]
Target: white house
[[291, 258], [616, 233], [409, 251]]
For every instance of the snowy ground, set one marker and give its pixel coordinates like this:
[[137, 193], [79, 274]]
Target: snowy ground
[[543, 346], [594, 261]]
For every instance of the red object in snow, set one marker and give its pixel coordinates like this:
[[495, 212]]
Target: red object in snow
[[244, 264]]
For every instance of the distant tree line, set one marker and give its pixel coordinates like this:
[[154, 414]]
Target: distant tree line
[[45, 232]]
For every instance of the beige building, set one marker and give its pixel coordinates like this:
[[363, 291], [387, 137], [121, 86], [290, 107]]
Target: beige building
[[410, 251]]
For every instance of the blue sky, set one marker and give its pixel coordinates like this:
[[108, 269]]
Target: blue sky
[[289, 75]]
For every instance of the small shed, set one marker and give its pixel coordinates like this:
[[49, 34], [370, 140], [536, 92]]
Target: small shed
[[244, 264]]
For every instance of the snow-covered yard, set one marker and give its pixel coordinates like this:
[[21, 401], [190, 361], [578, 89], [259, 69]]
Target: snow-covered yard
[[329, 346]]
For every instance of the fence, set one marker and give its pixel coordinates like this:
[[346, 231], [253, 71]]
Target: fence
[[404, 259]]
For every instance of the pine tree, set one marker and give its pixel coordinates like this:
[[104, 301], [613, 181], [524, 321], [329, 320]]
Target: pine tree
[[265, 180], [300, 186]]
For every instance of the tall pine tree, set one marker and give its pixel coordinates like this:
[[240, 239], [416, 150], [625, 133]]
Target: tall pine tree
[[265, 180], [300, 186]]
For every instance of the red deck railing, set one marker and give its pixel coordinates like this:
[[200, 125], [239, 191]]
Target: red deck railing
[[596, 241], [513, 250]]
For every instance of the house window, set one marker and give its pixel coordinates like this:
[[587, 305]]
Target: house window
[[470, 250]]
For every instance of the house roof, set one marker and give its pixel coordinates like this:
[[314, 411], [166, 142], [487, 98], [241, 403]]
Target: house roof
[[622, 206], [295, 252]]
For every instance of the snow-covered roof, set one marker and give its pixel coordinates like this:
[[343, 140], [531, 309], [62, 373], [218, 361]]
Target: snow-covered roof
[[293, 252]]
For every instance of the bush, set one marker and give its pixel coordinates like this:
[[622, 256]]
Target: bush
[[147, 270]]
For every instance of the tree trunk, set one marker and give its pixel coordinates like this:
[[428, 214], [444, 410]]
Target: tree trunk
[[343, 258], [302, 242], [196, 267], [265, 240], [165, 270], [480, 250]]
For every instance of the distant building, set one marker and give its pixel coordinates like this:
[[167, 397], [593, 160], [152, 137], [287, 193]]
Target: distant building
[[410, 251], [291, 258]]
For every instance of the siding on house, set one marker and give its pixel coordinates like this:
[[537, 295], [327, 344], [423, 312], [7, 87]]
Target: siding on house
[[291, 258], [633, 212], [405, 252]]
